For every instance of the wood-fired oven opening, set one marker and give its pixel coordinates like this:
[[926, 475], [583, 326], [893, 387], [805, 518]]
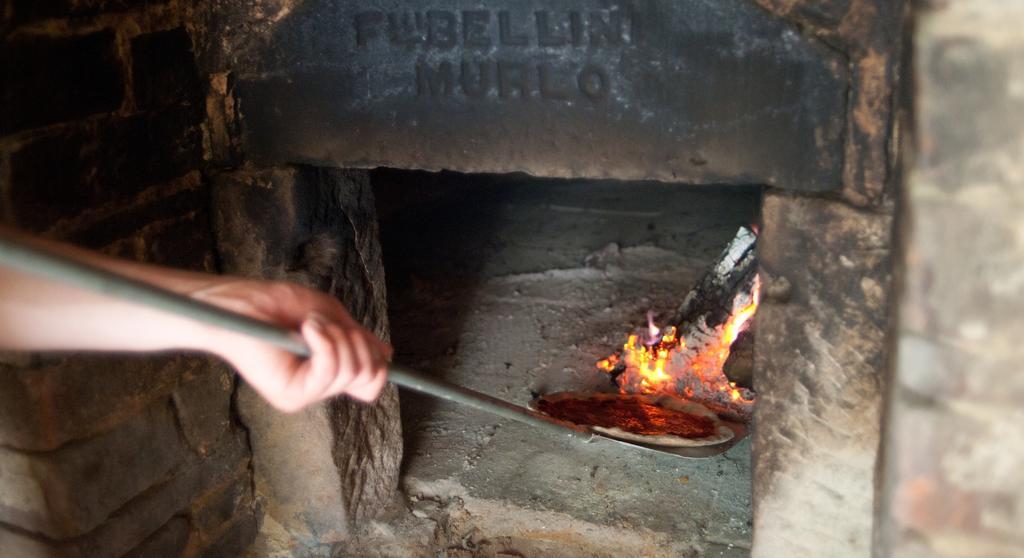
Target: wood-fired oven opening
[[519, 286], [868, 148]]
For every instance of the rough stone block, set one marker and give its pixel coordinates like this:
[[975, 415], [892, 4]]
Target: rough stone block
[[55, 80], [71, 491], [368, 452], [964, 460], [820, 356], [222, 122], [60, 175], [22, 545], [170, 540], [222, 504], [137, 524], [134, 522], [973, 302], [164, 70], [45, 407], [256, 238], [934, 369], [954, 456], [340, 458], [235, 540], [355, 197], [203, 405], [294, 469]]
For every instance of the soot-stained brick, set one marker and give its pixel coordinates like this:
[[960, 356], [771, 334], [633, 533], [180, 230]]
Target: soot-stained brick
[[186, 243], [152, 148], [30, 11], [50, 179], [55, 80], [202, 404], [169, 540], [123, 225], [73, 398], [164, 70], [61, 175], [73, 490], [223, 504], [146, 525], [239, 535]]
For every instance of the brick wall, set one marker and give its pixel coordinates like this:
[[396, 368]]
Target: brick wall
[[102, 127], [954, 451]]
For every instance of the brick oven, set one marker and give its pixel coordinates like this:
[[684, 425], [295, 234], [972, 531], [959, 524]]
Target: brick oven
[[242, 137]]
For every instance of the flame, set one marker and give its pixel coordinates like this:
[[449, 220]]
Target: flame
[[653, 331], [739, 320], [668, 365]]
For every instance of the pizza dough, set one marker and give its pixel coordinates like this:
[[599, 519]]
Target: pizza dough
[[618, 416]]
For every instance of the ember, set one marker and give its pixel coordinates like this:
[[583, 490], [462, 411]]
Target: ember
[[688, 361]]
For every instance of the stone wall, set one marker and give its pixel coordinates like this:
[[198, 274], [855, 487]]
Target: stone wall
[[102, 144], [954, 460], [114, 135], [821, 351], [336, 463]]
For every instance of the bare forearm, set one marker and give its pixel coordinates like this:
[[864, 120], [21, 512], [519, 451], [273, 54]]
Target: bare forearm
[[37, 314]]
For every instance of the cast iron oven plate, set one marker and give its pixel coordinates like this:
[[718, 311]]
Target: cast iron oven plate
[[739, 430], [673, 90]]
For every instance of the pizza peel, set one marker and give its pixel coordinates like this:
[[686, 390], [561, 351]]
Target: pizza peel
[[17, 254]]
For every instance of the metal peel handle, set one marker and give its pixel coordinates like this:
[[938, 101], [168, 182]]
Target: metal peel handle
[[19, 255]]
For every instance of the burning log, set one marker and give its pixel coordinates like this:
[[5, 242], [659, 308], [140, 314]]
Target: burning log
[[687, 359], [711, 302]]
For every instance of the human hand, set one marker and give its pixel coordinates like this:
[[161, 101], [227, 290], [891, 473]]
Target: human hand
[[347, 359]]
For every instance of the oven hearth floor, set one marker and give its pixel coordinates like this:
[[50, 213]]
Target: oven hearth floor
[[512, 287]]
